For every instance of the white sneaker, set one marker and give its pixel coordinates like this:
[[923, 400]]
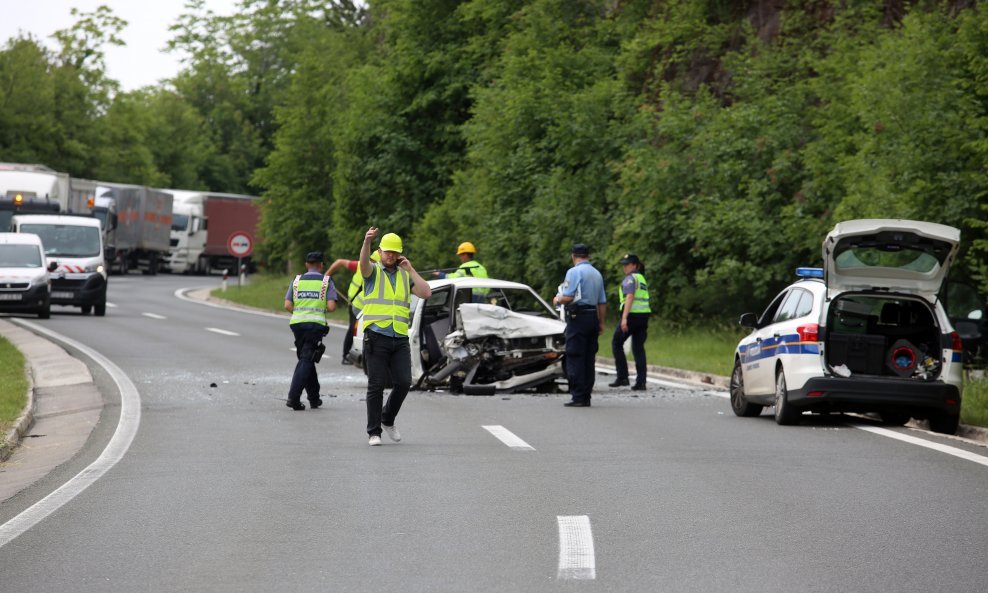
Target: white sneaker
[[392, 431], [374, 441]]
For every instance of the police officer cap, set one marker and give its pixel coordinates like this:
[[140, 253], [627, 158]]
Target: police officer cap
[[630, 258], [313, 257], [580, 249]]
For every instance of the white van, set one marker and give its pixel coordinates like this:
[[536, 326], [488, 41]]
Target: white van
[[75, 245], [25, 284]]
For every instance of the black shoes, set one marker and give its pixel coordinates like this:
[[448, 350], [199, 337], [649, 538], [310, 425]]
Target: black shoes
[[315, 403], [638, 387], [619, 383], [575, 404], [296, 405]]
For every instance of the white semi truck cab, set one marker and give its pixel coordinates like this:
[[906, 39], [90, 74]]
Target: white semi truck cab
[[75, 245]]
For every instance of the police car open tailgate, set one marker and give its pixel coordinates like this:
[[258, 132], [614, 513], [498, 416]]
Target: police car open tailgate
[[893, 255]]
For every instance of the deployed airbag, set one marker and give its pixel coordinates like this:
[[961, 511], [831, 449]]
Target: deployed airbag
[[480, 319]]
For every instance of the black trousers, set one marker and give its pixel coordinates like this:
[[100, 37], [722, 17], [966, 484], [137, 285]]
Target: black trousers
[[307, 336], [348, 338], [638, 332], [386, 356], [581, 352]]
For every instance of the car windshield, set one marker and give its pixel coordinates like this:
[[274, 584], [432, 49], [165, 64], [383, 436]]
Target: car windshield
[[519, 300], [20, 256], [65, 240]]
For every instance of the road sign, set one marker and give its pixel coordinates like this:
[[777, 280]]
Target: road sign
[[240, 244]]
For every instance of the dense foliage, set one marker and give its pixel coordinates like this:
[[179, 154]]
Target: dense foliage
[[718, 140]]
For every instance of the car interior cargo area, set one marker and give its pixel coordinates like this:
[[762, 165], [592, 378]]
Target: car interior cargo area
[[887, 336]]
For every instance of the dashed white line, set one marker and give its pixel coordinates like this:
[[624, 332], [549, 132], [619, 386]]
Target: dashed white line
[[154, 316], [222, 331], [576, 554], [508, 438]]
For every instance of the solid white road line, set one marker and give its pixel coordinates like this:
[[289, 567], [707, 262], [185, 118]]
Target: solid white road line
[[154, 316], [673, 384], [222, 331], [123, 436], [576, 555], [967, 455], [508, 438]]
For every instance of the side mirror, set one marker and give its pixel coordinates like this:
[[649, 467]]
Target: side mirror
[[52, 266], [749, 320]]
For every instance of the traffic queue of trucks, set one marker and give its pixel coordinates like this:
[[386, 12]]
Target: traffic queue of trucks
[[91, 228]]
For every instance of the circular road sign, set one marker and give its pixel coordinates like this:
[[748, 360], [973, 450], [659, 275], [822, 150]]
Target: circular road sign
[[240, 244]]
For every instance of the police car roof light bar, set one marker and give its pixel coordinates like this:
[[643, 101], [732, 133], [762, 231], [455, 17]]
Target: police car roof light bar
[[809, 272]]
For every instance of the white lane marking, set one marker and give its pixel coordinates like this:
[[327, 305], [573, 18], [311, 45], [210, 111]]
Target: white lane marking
[[576, 555], [123, 436], [508, 438], [154, 316], [111, 305], [723, 394], [673, 384], [222, 331], [967, 455]]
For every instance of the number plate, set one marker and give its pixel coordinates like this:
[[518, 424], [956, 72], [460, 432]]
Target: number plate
[[62, 294], [10, 296]]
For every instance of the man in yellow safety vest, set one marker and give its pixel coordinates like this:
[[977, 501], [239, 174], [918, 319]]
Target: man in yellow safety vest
[[388, 286]]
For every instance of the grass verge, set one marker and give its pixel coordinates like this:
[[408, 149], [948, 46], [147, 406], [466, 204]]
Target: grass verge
[[13, 385], [974, 404]]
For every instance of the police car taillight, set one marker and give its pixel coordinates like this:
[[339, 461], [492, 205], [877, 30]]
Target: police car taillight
[[809, 333], [955, 341]]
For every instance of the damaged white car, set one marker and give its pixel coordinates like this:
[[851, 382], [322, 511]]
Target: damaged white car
[[481, 336]]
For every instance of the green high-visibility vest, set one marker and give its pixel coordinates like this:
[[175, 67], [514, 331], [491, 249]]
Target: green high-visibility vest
[[388, 305], [475, 269], [355, 292], [309, 298], [639, 303]]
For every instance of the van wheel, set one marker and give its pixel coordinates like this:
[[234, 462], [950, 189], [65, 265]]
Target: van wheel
[[100, 309], [784, 413], [739, 403], [45, 311]]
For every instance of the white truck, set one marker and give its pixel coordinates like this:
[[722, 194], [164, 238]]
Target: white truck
[[75, 245], [202, 223], [30, 188]]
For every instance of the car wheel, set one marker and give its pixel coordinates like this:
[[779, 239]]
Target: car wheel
[[944, 423], [100, 309], [784, 413], [45, 311], [739, 403], [894, 418]]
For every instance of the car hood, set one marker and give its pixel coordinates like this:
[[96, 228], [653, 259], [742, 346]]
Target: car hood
[[490, 320], [889, 254], [16, 275]]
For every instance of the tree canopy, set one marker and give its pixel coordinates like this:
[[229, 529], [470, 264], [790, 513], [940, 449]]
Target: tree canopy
[[717, 140]]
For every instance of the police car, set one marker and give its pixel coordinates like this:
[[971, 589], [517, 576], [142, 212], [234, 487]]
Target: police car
[[866, 333]]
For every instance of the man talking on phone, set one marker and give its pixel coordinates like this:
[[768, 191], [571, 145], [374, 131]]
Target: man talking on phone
[[388, 286]]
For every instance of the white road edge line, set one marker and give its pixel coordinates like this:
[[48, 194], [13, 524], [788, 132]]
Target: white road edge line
[[221, 331], [154, 316], [123, 436], [967, 455], [508, 438], [675, 385], [576, 555]]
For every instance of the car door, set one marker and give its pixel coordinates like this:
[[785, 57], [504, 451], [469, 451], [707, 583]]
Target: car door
[[758, 359]]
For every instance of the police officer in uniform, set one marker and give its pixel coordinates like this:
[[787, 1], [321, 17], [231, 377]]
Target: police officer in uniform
[[635, 311], [388, 286], [582, 293], [309, 297]]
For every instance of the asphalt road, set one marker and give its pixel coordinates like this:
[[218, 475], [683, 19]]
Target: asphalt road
[[225, 489]]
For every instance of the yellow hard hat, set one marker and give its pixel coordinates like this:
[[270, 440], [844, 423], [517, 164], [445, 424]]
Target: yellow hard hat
[[466, 247], [391, 242]]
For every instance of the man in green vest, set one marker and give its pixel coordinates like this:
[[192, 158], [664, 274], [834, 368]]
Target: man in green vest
[[469, 268], [635, 312], [387, 299], [309, 297]]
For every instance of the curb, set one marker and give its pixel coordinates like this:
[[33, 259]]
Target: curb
[[24, 422]]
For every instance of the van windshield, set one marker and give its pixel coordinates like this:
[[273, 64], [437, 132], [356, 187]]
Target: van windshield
[[65, 240], [20, 256]]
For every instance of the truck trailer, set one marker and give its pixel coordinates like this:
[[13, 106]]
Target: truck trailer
[[137, 223], [202, 225]]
